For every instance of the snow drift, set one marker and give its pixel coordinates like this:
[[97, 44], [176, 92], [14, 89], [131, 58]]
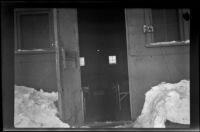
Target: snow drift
[[166, 102], [36, 109]]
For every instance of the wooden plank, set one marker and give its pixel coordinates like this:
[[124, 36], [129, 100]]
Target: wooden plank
[[72, 104], [146, 66], [58, 74]]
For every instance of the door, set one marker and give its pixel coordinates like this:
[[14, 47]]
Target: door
[[104, 73], [70, 97]]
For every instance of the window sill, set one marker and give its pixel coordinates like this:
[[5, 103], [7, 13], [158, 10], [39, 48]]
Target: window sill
[[167, 44], [35, 51]]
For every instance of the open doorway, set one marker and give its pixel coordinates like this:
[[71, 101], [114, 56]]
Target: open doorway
[[104, 70]]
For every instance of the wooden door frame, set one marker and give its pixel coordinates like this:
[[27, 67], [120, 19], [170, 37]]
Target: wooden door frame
[[128, 47], [57, 58], [58, 63]]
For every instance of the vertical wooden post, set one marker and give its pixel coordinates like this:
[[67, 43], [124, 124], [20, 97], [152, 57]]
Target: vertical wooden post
[[128, 53], [67, 66], [58, 73]]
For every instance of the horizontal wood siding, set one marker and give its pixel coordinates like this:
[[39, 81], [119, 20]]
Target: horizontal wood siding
[[149, 66], [36, 70]]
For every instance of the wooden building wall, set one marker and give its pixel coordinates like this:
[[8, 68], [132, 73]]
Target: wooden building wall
[[148, 66], [36, 69], [35, 60]]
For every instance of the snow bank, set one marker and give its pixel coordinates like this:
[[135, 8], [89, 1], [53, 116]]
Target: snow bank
[[166, 102], [31, 50], [171, 42], [36, 109]]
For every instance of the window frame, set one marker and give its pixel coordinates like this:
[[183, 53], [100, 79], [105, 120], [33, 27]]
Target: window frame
[[112, 59], [17, 28], [149, 37]]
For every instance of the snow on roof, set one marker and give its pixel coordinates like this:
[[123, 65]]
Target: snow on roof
[[31, 50], [171, 42]]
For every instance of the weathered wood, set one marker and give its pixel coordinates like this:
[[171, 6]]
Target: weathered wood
[[72, 107], [58, 67], [36, 70], [149, 66]]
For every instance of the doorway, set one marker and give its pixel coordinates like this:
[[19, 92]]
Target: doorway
[[103, 59]]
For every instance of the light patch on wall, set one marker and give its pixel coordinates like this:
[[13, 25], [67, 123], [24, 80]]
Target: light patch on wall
[[112, 59], [82, 61]]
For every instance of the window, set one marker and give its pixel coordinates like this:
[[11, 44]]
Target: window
[[165, 23], [82, 61], [112, 60], [166, 26], [33, 29]]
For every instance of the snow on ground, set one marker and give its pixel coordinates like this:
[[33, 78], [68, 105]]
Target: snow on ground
[[163, 102], [36, 109], [166, 101], [30, 50], [171, 42]]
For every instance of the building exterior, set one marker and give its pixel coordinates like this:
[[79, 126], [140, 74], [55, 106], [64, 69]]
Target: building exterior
[[146, 47]]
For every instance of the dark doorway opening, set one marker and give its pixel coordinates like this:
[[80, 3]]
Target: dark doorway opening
[[104, 70]]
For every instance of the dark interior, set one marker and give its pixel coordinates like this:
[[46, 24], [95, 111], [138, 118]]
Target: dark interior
[[102, 34]]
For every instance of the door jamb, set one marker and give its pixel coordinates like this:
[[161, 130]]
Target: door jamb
[[57, 59], [128, 47]]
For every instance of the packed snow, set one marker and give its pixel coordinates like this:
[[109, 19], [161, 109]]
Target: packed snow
[[163, 102], [31, 50], [36, 109], [171, 42], [166, 101]]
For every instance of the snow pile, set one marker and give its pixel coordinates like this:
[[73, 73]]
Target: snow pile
[[166, 102], [128, 125], [31, 50], [36, 109], [171, 42]]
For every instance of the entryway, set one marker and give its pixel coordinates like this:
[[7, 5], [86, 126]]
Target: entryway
[[104, 70]]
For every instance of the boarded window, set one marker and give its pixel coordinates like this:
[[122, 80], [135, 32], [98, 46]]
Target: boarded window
[[33, 30], [166, 25]]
